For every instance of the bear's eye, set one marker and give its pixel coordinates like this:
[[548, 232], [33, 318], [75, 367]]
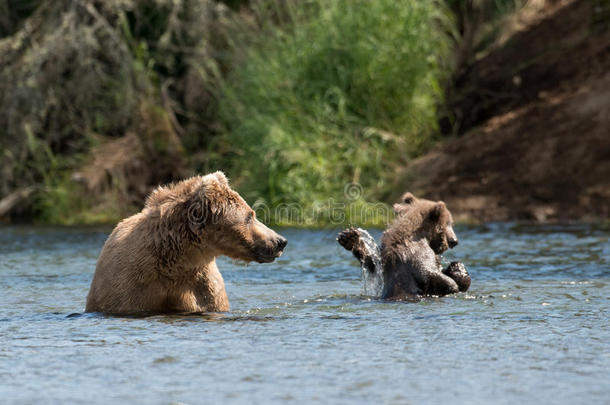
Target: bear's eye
[[250, 217]]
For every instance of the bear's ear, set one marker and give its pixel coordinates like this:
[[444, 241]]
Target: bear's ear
[[400, 209], [397, 208], [222, 179], [437, 211], [407, 198]]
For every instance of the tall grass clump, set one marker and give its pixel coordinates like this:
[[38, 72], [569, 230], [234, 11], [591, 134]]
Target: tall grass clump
[[336, 92]]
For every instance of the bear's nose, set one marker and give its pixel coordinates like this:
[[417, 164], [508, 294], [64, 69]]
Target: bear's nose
[[453, 243], [281, 243]]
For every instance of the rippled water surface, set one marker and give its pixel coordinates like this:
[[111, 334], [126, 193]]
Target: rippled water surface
[[534, 327]]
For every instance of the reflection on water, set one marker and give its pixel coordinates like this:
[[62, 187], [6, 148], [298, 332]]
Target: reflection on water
[[534, 326]]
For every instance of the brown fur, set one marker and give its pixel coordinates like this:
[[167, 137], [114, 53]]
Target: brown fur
[[421, 231], [418, 219], [162, 259]]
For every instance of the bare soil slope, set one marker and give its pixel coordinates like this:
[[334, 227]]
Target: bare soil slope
[[535, 114]]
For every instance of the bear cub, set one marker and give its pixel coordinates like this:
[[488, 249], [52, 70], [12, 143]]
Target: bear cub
[[408, 263]]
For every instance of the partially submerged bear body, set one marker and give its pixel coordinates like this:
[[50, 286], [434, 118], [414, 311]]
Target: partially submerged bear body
[[407, 263], [163, 259]]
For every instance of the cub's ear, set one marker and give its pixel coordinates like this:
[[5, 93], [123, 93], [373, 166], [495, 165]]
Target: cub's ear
[[399, 209], [407, 198], [437, 211]]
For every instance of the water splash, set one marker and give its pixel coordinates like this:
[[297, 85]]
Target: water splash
[[372, 277]]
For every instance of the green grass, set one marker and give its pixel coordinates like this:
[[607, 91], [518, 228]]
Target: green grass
[[342, 91], [294, 99]]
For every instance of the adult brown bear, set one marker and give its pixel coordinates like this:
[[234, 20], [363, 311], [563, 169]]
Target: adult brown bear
[[163, 259], [407, 264]]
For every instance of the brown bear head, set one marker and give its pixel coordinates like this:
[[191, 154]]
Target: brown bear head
[[417, 217], [219, 220], [231, 225]]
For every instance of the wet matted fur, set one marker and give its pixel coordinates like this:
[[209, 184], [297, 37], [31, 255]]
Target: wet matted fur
[[163, 259]]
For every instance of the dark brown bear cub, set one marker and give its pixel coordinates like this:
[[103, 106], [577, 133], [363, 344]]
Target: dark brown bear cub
[[407, 264]]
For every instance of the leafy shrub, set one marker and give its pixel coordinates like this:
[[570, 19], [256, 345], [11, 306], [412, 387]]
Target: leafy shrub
[[337, 92]]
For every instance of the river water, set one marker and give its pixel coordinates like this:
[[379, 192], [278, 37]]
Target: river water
[[534, 327]]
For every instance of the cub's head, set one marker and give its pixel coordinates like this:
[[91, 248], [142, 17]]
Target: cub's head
[[220, 220], [439, 227], [430, 219]]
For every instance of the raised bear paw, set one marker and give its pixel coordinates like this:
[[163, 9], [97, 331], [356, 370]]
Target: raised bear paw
[[349, 238]]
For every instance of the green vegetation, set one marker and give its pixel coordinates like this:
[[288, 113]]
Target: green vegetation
[[77, 75], [343, 91], [293, 99]]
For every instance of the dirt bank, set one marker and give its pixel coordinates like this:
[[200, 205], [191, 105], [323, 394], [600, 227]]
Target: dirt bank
[[533, 123]]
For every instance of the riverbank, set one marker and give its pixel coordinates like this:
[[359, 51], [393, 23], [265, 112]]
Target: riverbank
[[533, 138], [102, 101], [511, 117]]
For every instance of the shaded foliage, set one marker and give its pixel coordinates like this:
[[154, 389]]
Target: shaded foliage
[[74, 74], [294, 98], [336, 92]]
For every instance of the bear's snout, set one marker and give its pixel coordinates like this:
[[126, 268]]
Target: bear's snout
[[281, 244], [278, 246], [452, 243], [270, 249]]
